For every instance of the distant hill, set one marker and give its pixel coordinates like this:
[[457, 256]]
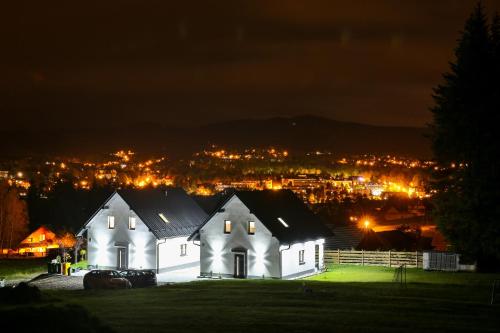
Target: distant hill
[[304, 133], [307, 133]]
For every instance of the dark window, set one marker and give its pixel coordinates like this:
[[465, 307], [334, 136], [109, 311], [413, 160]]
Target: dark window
[[301, 257]]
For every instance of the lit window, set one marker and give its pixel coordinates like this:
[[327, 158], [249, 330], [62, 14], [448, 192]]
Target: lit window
[[131, 223], [183, 249], [111, 222], [283, 222], [301, 257], [164, 218], [251, 228], [42, 237], [227, 227]]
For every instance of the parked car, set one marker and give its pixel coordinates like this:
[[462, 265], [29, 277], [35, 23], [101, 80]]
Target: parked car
[[105, 279], [140, 278]]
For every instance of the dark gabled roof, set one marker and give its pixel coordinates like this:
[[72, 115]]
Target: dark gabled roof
[[210, 203], [388, 240], [345, 237], [184, 215], [269, 205]]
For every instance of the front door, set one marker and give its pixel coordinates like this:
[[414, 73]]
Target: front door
[[122, 258], [239, 266], [316, 256]]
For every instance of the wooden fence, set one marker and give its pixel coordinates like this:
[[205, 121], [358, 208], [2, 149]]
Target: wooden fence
[[374, 258]]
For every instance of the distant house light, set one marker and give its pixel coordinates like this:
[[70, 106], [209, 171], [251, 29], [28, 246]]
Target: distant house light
[[163, 217], [283, 222]]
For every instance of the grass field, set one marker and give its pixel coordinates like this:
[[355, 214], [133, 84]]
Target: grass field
[[22, 268], [346, 299]]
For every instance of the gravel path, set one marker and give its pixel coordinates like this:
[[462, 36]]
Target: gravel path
[[46, 281], [58, 282]]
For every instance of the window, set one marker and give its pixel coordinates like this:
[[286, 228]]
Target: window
[[42, 237], [251, 228], [163, 217], [301, 257], [111, 222], [283, 222], [183, 250], [227, 227], [131, 223]]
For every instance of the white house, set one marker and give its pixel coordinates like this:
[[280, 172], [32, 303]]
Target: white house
[[259, 234], [144, 229]]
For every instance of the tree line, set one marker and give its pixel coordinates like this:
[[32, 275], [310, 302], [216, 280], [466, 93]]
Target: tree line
[[466, 143]]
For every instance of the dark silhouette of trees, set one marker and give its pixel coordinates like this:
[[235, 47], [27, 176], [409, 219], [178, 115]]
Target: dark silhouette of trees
[[13, 217], [65, 208], [466, 143]]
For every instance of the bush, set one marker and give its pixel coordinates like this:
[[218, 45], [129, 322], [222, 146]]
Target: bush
[[20, 294], [70, 318]]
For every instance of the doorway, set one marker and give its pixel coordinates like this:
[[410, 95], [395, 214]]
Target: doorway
[[316, 256], [122, 258], [240, 266]]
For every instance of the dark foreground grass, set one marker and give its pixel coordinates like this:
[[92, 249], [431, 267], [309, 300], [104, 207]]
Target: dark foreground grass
[[22, 268], [282, 306]]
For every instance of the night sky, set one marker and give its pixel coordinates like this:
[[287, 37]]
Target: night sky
[[81, 64]]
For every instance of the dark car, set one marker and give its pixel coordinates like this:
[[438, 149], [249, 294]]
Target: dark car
[[105, 279], [140, 278]]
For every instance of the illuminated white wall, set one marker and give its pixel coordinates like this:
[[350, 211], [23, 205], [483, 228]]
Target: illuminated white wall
[[170, 257], [291, 266], [216, 246], [102, 245]]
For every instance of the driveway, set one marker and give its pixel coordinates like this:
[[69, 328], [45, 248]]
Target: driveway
[[180, 275], [75, 281]]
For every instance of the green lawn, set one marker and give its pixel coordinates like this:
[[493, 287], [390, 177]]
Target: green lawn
[[22, 268], [81, 264], [365, 300], [346, 273]]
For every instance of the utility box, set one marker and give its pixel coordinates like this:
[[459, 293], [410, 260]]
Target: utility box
[[441, 261]]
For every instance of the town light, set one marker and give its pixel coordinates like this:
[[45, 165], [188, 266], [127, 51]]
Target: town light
[[367, 223]]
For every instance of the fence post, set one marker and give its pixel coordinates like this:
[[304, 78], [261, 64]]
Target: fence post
[[362, 257], [338, 256], [416, 259], [390, 258]]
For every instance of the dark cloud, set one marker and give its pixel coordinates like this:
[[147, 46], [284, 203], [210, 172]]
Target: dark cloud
[[88, 64]]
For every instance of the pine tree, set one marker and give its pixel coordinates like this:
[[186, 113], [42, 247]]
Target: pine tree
[[464, 134]]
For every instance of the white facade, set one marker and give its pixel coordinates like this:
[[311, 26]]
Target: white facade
[[122, 246], [177, 253], [262, 253]]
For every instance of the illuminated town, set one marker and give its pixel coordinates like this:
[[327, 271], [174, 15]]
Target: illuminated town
[[318, 177]]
